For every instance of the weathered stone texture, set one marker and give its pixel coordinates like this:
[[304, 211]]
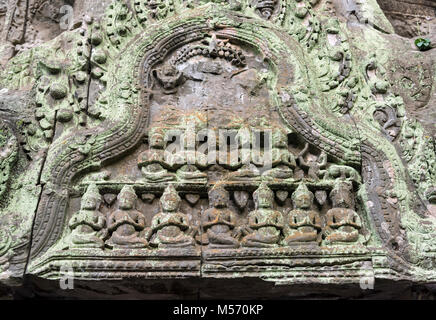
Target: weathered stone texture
[[169, 148], [411, 18]]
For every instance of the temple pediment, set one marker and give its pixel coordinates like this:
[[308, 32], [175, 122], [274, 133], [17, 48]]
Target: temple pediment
[[223, 140]]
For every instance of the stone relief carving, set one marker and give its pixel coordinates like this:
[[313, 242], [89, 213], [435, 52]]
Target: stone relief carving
[[126, 223], [8, 156], [304, 224], [170, 227], [87, 224], [343, 223], [219, 222], [224, 144], [265, 224]]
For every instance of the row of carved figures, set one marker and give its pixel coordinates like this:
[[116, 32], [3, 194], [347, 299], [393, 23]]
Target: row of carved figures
[[170, 228], [157, 163]]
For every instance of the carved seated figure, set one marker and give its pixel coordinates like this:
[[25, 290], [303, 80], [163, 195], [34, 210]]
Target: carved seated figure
[[219, 221], [265, 224], [152, 162], [228, 153], [170, 228], [87, 224], [265, 8], [248, 170], [126, 223], [283, 162], [343, 223], [169, 77], [304, 224]]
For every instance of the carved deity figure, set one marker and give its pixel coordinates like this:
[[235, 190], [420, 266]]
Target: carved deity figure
[[190, 172], [157, 8], [170, 228], [126, 223], [283, 161], [345, 173], [248, 158], [153, 161], [265, 225], [386, 115], [87, 225], [343, 223], [218, 221], [304, 224], [188, 161], [312, 164], [228, 152]]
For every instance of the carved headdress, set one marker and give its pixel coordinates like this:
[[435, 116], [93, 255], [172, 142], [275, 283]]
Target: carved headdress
[[302, 190]]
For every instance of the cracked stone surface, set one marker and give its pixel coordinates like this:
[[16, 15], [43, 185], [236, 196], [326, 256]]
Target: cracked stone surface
[[212, 149]]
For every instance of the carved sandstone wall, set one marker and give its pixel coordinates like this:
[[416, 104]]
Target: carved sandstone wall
[[112, 135]]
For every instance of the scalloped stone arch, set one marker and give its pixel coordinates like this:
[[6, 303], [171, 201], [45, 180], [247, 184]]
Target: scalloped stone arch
[[114, 139]]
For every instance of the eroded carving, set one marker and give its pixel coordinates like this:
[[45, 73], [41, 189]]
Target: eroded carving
[[304, 224], [265, 225], [87, 225], [218, 221], [126, 223], [111, 97], [170, 228], [343, 223]]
